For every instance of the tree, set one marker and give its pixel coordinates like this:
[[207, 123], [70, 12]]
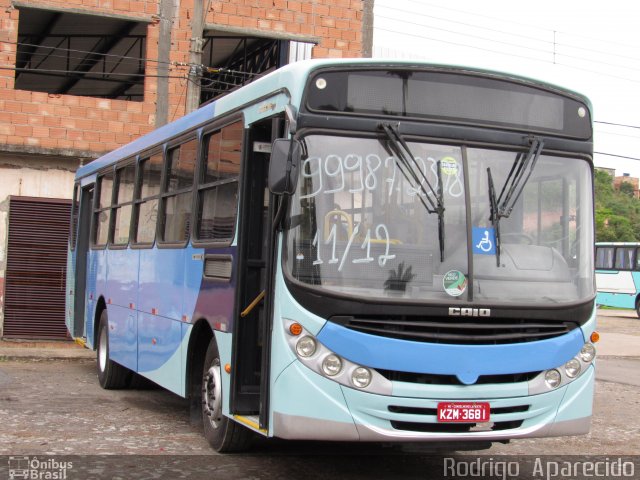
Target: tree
[[617, 212]]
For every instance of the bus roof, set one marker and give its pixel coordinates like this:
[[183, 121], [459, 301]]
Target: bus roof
[[290, 79]]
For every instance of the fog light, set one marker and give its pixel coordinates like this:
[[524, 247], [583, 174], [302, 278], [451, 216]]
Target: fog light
[[331, 365], [361, 377], [552, 378], [572, 368], [306, 346], [588, 352]]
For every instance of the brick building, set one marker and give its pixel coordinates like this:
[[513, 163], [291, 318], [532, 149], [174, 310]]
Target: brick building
[[629, 180], [81, 77]]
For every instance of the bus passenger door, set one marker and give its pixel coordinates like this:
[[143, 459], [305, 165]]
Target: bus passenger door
[[252, 326], [82, 247]]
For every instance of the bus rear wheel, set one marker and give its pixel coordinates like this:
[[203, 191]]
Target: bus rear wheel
[[111, 375], [223, 434]]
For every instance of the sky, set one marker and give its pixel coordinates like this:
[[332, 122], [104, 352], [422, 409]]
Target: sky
[[590, 47]]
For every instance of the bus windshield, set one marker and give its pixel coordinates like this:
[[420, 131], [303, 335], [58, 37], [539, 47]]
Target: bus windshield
[[361, 226]]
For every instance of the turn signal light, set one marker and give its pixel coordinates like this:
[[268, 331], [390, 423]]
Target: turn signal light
[[595, 336], [227, 368], [295, 329]]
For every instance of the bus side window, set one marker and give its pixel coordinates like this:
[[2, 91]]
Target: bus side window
[[176, 194], [102, 213], [218, 184], [624, 258], [121, 212], [636, 266], [146, 201], [604, 258]]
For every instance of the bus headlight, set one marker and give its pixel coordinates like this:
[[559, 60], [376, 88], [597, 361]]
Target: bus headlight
[[572, 368], [331, 365], [588, 352], [552, 378], [306, 346], [313, 354], [361, 377]]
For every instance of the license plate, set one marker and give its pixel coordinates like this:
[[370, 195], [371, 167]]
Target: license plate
[[467, 412]]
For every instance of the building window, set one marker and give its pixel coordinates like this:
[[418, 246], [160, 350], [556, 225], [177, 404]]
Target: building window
[[77, 54]]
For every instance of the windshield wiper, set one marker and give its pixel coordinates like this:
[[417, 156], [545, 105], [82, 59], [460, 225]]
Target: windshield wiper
[[411, 171], [521, 170]]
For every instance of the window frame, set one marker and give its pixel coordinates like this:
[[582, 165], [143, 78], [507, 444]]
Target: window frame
[[116, 206], [75, 216], [201, 187], [173, 144], [96, 208], [137, 201]]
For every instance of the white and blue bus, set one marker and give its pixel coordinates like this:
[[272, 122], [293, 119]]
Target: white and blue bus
[[350, 250], [618, 275]]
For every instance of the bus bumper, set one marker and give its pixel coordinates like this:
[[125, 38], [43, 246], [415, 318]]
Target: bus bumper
[[315, 408]]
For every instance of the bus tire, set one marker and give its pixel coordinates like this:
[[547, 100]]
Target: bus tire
[[638, 307], [223, 434], [111, 375]]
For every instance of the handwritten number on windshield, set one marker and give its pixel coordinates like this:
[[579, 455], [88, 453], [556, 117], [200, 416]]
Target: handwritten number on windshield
[[335, 174]]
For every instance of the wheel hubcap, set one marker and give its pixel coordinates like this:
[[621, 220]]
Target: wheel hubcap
[[102, 350], [212, 394]]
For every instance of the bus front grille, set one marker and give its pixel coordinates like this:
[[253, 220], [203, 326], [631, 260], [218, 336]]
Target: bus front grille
[[447, 330], [438, 379], [455, 427]]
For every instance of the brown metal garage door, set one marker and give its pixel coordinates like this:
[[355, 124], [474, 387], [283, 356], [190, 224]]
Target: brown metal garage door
[[36, 268]]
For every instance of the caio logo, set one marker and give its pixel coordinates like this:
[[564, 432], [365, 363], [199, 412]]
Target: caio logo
[[469, 312]]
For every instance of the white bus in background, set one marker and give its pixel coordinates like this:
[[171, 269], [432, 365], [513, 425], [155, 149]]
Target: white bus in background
[[618, 274]]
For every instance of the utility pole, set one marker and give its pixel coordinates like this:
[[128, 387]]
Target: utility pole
[[164, 50], [367, 28], [195, 57]]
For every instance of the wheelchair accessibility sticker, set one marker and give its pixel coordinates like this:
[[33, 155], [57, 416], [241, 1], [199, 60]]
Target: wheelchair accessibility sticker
[[484, 241]]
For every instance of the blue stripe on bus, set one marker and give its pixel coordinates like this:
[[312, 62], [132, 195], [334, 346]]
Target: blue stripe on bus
[[467, 362]]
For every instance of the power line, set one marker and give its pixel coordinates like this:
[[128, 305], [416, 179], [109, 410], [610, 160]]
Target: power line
[[120, 57], [549, 52], [209, 68], [413, 14], [464, 34], [514, 22], [85, 74], [617, 124], [618, 156], [466, 45], [554, 44]]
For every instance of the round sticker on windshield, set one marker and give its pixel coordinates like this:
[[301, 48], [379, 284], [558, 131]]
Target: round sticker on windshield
[[449, 166], [454, 283]]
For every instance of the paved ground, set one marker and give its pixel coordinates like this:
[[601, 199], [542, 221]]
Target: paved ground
[[51, 404]]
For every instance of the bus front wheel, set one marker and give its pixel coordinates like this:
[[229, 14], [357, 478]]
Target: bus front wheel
[[223, 435], [111, 375]]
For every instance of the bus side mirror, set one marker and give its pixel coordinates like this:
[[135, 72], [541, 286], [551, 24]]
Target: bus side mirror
[[283, 167]]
